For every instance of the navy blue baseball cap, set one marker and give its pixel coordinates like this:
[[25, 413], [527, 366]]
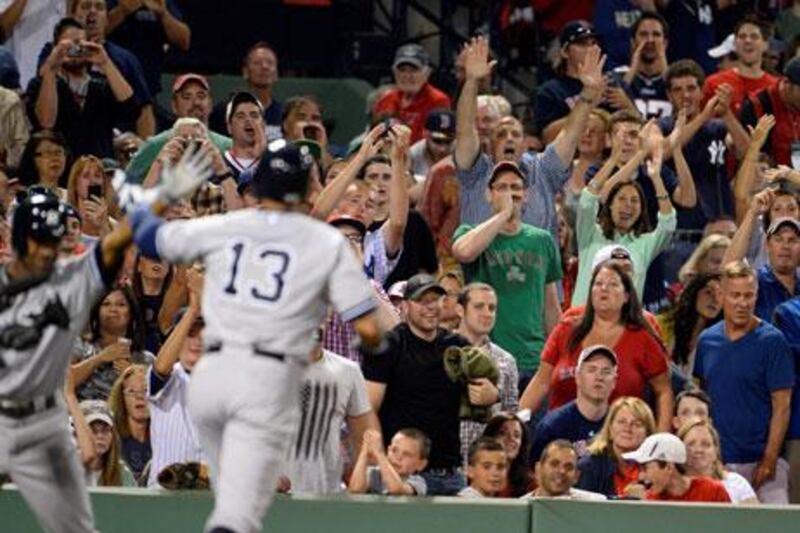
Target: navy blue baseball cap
[[575, 31], [441, 124], [283, 172]]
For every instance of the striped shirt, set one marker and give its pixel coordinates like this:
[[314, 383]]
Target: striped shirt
[[173, 437], [546, 175]]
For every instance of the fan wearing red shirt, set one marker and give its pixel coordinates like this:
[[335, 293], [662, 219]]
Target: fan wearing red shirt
[[748, 77], [413, 97], [613, 318], [662, 457]]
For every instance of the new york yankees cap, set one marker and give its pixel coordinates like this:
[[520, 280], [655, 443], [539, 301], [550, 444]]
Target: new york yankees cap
[[659, 447]]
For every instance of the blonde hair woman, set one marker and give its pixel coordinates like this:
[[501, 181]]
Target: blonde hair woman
[[706, 258], [702, 459], [629, 421]]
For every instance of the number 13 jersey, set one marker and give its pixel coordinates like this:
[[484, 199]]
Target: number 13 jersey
[[270, 276]]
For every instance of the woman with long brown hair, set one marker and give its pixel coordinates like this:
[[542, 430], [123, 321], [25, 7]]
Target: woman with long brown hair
[[105, 469], [128, 403], [613, 317]]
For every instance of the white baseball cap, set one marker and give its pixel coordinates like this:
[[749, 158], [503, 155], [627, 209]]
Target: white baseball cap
[[597, 349], [659, 447], [610, 251], [724, 48]]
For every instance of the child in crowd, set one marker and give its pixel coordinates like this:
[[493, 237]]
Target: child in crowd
[[395, 471], [486, 470]]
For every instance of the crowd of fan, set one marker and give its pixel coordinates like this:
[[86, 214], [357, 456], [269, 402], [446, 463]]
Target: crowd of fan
[[601, 303]]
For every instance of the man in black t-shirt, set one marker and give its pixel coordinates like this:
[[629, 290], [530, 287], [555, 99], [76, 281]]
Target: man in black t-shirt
[[408, 386]]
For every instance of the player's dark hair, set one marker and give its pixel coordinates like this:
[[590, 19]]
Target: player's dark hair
[[258, 46], [483, 444], [135, 330], [697, 394], [519, 474], [378, 159], [649, 15], [558, 444], [63, 25], [682, 69], [420, 437]]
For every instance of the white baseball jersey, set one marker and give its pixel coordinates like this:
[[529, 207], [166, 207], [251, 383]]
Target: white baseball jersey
[[270, 276], [173, 437], [74, 285], [333, 388]]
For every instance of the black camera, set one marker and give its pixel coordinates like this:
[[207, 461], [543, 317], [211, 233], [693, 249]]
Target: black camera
[[76, 50]]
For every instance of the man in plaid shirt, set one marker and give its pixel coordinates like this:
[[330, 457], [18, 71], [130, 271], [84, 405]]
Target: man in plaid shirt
[[477, 307]]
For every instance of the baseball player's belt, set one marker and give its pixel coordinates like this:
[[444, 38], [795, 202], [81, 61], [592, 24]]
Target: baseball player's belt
[[216, 347], [15, 409]]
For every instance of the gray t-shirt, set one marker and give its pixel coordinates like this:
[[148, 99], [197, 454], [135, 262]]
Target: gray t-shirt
[[333, 389], [270, 276], [74, 285], [375, 483]]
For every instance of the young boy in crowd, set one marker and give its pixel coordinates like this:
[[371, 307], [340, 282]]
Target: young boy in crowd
[[395, 471], [487, 469]]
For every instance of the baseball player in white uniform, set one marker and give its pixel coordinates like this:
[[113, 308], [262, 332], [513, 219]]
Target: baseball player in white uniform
[[44, 305], [271, 272]]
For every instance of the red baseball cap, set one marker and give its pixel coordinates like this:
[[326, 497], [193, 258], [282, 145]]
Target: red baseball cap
[[183, 79]]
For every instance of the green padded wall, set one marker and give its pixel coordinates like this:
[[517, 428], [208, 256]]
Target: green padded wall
[[343, 99]]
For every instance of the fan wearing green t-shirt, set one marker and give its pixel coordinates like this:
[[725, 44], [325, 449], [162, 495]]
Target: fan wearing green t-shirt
[[520, 261]]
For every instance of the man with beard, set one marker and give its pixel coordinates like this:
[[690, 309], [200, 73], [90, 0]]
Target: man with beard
[[245, 118], [260, 72], [644, 78], [191, 97], [67, 99]]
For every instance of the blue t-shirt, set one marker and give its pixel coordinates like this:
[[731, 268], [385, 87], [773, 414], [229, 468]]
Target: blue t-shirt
[[613, 19], [705, 155], [787, 319], [740, 377], [565, 422], [771, 292]]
